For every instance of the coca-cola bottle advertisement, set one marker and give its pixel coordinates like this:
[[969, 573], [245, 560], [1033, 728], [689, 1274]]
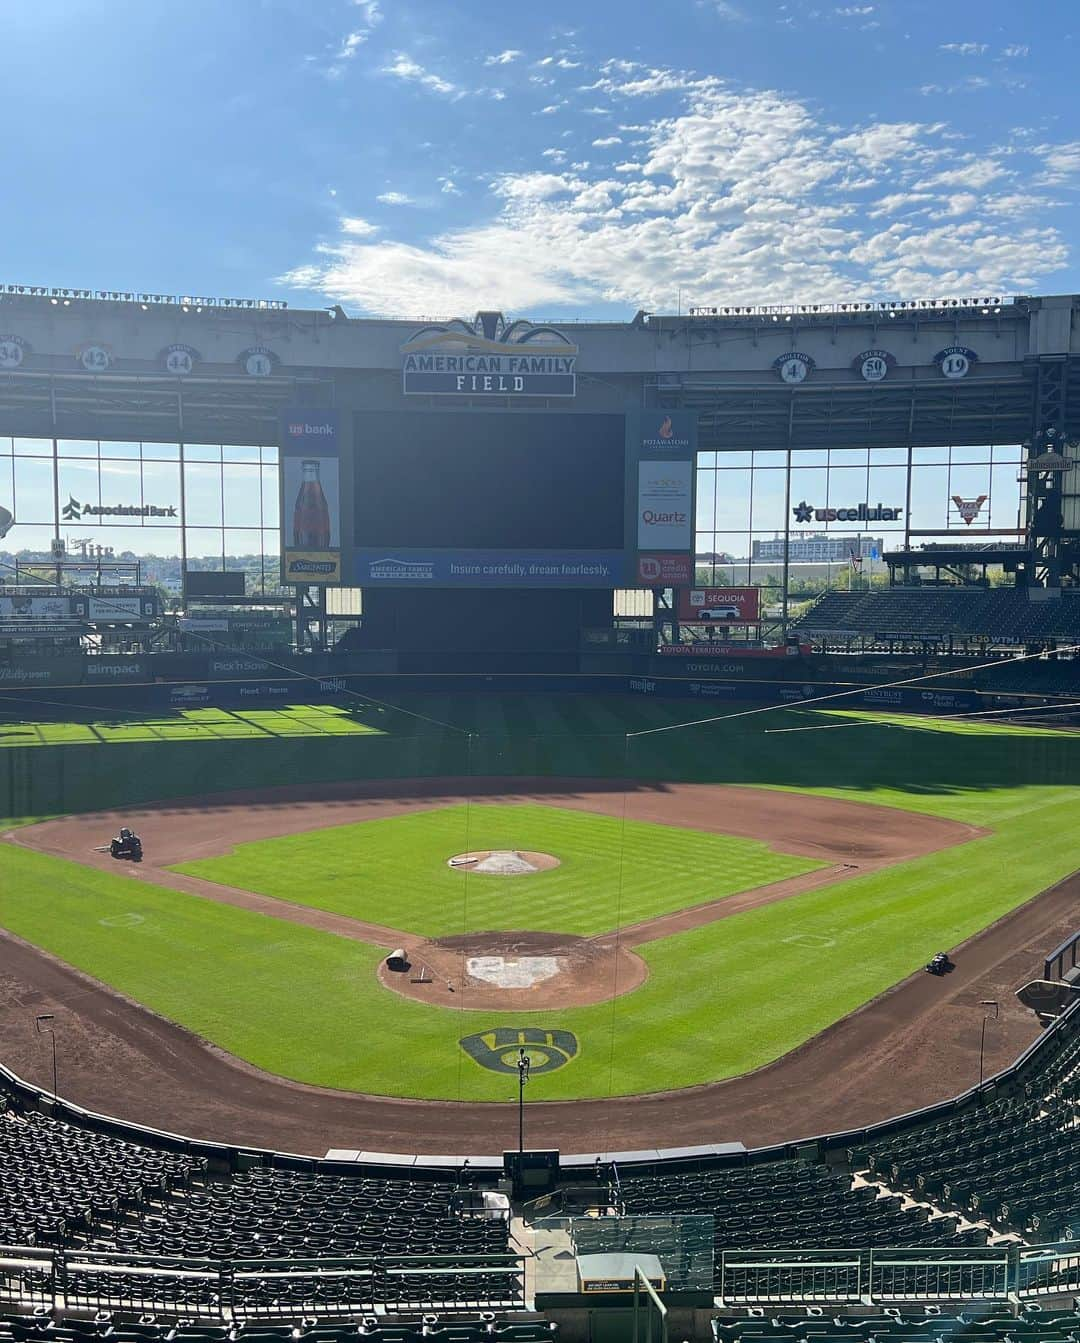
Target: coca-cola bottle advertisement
[[311, 503], [311, 512]]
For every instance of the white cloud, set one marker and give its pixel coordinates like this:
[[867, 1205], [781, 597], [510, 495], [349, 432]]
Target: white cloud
[[504, 57], [449, 187], [853, 11], [1015, 51], [358, 228], [404, 67], [352, 41], [552, 108], [965, 48], [735, 196], [607, 140], [1062, 163], [394, 198]]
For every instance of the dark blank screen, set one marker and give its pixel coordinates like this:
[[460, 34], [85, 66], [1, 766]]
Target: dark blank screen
[[501, 481]]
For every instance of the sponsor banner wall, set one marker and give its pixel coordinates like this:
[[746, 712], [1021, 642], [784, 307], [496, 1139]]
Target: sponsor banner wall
[[723, 606], [410, 568], [115, 608], [53, 671], [729, 650], [665, 510], [665, 571], [310, 496], [35, 608], [661, 453], [102, 670]]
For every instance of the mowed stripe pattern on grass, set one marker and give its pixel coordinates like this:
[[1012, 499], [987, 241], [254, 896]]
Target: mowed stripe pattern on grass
[[394, 871]]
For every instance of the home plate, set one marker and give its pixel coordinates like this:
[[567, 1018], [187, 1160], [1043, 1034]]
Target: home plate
[[520, 973]]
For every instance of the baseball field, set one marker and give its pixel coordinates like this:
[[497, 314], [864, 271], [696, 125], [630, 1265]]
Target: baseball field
[[685, 906]]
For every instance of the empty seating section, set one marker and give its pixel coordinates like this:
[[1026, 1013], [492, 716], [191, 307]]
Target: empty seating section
[[272, 1214], [789, 1205], [55, 1179], [1014, 1162], [990, 1324], [485, 1328], [939, 613]]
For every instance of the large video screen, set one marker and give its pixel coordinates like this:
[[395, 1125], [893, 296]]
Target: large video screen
[[473, 481]]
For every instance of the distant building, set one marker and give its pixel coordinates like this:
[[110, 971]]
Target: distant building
[[816, 548]]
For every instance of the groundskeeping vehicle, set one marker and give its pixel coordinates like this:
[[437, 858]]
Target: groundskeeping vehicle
[[126, 845]]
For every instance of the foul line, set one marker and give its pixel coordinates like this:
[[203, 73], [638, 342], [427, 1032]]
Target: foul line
[[886, 722]]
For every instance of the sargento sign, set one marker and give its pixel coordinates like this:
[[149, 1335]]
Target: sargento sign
[[489, 357]]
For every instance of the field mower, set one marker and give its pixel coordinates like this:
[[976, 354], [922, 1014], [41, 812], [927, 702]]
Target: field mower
[[126, 845], [940, 964]]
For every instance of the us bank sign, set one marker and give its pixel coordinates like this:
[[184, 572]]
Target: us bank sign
[[489, 357]]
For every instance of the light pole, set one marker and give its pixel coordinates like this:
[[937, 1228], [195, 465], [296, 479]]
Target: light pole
[[524, 1063], [48, 1016], [986, 1002]]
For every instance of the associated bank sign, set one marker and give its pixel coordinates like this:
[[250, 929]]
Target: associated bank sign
[[489, 357]]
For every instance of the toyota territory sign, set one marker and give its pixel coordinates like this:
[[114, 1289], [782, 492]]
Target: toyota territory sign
[[719, 606]]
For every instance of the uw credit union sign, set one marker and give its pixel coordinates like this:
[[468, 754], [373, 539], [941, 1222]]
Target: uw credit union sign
[[488, 357]]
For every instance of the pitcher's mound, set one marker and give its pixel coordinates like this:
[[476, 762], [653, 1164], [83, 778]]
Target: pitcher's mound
[[503, 862]]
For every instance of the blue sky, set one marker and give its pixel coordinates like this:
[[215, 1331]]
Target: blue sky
[[416, 157]]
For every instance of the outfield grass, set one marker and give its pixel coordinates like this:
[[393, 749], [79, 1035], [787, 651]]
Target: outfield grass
[[394, 871], [307, 1005]]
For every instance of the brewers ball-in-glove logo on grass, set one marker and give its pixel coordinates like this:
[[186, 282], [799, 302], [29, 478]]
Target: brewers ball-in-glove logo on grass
[[498, 1049]]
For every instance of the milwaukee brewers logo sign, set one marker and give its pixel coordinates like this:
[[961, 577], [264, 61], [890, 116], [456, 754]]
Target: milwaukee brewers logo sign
[[498, 1049]]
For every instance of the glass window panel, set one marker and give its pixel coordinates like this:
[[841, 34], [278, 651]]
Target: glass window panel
[[271, 544], [928, 455], [270, 500], [1007, 452], [725, 557], [161, 487], [236, 453], [127, 451], [809, 485], [40, 447], [1004, 496], [977, 454], [768, 501], [33, 491], [818, 455], [849, 456], [848, 488], [202, 495], [733, 500], [202, 452], [929, 498], [705, 502], [706, 460], [770, 457], [240, 489], [270, 455], [169, 452], [121, 486], [79, 482], [888, 486], [739, 458], [888, 456], [243, 544], [5, 447], [205, 543]]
